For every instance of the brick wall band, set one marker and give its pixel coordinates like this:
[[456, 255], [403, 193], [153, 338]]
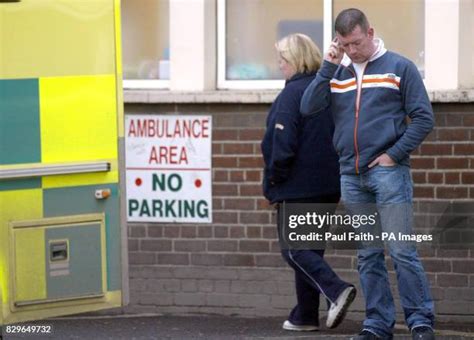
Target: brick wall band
[[233, 266]]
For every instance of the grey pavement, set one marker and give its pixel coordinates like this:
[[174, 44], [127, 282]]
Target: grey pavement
[[206, 327]]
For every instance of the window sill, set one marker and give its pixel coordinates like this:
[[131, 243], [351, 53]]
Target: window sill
[[255, 96]]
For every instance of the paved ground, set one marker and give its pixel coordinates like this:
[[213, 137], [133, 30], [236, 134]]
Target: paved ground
[[207, 327]]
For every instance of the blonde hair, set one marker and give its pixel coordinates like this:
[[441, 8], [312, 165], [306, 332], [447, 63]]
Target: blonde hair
[[300, 52]]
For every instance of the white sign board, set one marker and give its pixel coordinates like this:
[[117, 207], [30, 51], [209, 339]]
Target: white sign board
[[168, 161]]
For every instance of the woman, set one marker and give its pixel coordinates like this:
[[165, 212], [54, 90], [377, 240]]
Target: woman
[[301, 166]]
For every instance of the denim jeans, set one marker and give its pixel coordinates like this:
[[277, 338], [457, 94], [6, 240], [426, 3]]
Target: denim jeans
[[312, 275], [389, 191]]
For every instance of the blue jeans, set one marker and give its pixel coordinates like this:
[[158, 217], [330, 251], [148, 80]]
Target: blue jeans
[[313, 275], [389, 191]]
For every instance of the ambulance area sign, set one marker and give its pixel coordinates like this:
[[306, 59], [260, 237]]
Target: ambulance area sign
[[168, 161]]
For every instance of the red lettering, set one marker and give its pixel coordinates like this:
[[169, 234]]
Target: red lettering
[[196, 134], [190, 128], [151, 128], [153, 157], [141, 127], [168, 155], [131, 129], [205, 128], [173, 154], [160, 132], [177, 129], [183, 157], [163, 154], [186, 128], [168, 132]]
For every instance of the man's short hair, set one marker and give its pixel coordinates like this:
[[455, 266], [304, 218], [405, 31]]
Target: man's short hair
[[348, 19]]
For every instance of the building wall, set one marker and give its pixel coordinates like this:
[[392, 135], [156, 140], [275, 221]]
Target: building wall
[[233, 266]]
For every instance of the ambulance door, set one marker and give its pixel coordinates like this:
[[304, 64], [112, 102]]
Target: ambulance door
[[62, 233]]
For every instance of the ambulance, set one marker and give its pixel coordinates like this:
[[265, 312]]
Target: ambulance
[[63, 240]]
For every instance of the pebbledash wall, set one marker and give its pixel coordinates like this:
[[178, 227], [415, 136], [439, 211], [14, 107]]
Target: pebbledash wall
[[233, 266]]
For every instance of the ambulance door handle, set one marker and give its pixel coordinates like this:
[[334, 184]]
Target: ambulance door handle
[[8, 1], [58, 251]]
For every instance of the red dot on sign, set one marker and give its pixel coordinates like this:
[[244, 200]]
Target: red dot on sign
[[198, 183], [138, 182]]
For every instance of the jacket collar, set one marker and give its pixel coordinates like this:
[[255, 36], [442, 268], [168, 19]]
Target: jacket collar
[[298, 76]]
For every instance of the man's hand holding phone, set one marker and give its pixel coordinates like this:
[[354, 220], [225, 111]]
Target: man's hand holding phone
[[335, 52]]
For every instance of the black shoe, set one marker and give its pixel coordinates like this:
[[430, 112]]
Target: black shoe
[[368, 335], [422, 333]]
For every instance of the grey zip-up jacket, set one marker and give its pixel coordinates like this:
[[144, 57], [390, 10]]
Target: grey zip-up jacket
[[372, 120]]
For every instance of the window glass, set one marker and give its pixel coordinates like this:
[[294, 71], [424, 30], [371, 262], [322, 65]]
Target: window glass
[[254, 26], [145, 39], [400, 24]]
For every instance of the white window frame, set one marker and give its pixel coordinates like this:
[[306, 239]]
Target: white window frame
[[145, 84], [224, 84]]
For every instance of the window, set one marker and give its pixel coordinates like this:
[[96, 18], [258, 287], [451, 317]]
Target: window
[[248, 30], [145, 43]]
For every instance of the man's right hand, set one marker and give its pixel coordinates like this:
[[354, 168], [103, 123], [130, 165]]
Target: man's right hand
[[335, 53]]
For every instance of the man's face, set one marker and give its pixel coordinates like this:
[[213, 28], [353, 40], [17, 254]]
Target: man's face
[[359, 46]]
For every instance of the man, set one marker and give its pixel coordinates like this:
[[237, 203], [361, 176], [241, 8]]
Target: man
[[371, 92]]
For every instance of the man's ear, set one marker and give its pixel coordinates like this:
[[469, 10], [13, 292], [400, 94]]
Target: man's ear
[[370, 32]]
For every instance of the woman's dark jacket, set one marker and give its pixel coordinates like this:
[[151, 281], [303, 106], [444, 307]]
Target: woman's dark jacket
[[300, 160]]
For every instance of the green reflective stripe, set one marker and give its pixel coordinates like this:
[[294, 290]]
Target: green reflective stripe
[[19, 122], [20, 184]]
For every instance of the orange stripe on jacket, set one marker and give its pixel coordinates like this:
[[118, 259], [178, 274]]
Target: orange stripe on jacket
[[338, 86], [382, 80]]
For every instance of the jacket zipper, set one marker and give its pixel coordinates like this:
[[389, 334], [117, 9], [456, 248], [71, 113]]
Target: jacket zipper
[[356, 123]]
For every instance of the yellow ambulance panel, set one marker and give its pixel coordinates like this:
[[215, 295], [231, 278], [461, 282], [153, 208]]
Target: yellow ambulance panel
[[62, 239]]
